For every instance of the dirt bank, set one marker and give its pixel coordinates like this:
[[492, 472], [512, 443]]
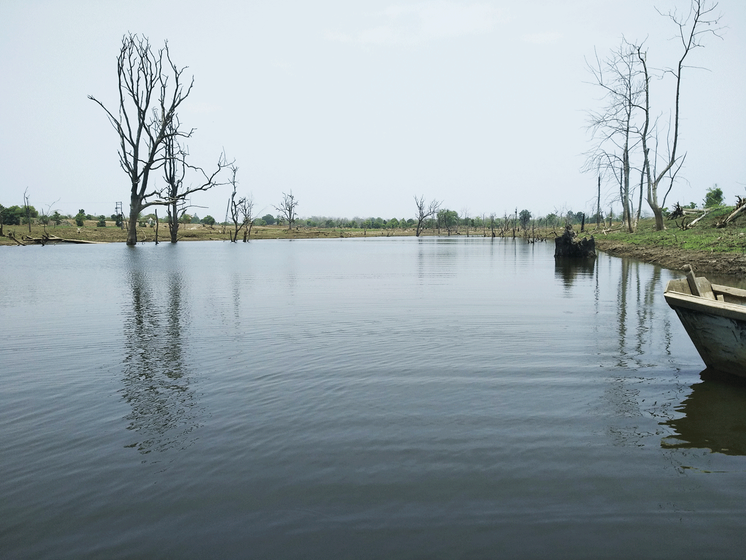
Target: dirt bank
[[675, 259]]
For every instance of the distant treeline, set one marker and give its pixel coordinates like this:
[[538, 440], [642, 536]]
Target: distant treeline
[[444, 220]]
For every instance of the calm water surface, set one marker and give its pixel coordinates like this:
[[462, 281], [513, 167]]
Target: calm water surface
[[373, 398]]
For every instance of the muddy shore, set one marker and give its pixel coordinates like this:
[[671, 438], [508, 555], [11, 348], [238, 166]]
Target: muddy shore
[[702, 261]]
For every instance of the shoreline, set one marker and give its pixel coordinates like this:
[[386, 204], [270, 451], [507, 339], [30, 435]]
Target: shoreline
[[728, 264], [671, 257]]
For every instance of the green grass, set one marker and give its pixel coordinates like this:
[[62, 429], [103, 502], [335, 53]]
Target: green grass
[[704, 236]]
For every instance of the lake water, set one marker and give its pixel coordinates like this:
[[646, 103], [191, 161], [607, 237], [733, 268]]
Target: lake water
[[357, 398]]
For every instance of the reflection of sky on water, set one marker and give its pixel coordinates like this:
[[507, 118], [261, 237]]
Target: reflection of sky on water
[[391, 388]]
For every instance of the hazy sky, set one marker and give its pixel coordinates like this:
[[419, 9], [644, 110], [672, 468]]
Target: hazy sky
[[357, 106]]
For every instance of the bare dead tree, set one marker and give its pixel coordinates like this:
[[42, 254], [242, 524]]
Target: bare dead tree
[[287, 208], [175, 194], [614, 128], [699, 22], [241, 210], [233, 206], [174, 172], [151, 90], [27, 208], [424, 212], [515, 221], [626, 128], [45, 216], [246, 210], [598, 203]]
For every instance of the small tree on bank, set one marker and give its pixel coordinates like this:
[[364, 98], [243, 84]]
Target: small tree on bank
[[447, 219], [524, 218], [714, 197]]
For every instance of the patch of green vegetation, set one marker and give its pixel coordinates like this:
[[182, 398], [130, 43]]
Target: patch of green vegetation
[[703, 236]]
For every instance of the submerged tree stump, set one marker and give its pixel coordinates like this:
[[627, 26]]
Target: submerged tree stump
[[568, 245]]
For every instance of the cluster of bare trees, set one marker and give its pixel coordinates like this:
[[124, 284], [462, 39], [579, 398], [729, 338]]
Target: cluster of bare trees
[[241, 211], [626, 131], [151, 136]]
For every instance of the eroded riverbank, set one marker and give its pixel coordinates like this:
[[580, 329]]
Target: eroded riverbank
[[675, 258]]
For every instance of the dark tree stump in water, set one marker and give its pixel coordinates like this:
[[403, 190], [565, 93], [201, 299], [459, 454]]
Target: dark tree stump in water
[[568, 245]]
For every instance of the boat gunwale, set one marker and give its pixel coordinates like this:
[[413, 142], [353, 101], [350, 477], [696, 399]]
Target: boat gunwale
[[733, 311], [735, 292]]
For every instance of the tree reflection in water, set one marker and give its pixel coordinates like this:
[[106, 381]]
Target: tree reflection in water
[[165, 410]]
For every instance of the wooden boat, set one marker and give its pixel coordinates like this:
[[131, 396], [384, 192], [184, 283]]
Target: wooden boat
[[714, 316]]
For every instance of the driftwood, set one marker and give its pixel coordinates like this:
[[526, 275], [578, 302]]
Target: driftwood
[[12, 235], [46, 238], [740, 206], [607, 231], [568, 245], [679, 212], [684, 225]]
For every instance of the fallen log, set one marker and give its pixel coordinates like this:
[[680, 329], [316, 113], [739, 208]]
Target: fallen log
[[12, 236], [740, 207], [54, 239]]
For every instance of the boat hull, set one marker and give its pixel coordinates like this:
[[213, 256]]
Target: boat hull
[[717, 330]]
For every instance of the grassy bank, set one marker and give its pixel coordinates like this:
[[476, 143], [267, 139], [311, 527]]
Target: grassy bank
[[706, 247]]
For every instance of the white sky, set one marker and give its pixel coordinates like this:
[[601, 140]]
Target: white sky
[[357, 106]]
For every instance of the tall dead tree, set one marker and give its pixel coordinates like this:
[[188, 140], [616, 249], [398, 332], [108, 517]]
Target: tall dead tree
[[27, 209], [701, 20], [424, 212], [598, 203], [626, 128], [151, 90]]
